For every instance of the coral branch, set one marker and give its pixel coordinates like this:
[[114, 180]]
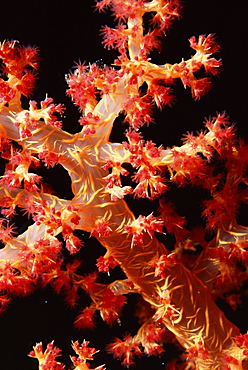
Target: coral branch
[[179, 289]]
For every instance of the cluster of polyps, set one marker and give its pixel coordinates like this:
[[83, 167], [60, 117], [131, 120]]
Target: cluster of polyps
[[180, 292]]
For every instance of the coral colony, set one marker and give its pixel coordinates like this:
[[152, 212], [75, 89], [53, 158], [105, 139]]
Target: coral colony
[[179, 290]]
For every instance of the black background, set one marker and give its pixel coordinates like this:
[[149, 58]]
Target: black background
[[66, 32]]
